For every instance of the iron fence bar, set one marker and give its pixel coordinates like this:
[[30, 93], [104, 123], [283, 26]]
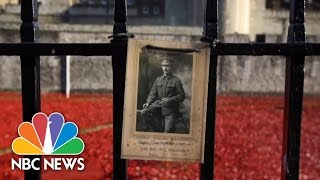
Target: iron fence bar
[[210, 35], [30, 73], [106, 49], [271, 49], [119, 59], [51, 49], [293, 95]]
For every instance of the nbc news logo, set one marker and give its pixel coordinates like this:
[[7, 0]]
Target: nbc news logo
[[48, 136]]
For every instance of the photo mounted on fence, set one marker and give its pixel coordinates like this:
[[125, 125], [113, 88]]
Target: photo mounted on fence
[[165, 100]]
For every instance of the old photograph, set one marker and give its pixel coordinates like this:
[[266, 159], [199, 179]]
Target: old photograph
[[165, 100], [164, 92]]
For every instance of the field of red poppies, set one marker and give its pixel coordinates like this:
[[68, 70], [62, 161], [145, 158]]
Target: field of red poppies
[[248, 138]]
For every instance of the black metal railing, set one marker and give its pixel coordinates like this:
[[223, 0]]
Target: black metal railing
[[295, 50]]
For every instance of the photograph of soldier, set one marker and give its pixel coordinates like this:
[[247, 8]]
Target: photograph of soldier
[[165, 100], [163, 108]]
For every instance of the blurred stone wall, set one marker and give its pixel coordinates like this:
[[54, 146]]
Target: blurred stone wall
[[236, 74]]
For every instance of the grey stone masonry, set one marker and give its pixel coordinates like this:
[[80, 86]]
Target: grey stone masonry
[[236, 74]]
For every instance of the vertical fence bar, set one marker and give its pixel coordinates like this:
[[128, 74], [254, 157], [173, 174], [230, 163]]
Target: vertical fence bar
[[293, 95], [119, 58], [30, 72], [210, 34]]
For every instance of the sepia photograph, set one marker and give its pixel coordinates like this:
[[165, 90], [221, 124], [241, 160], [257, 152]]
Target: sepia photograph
[[164, 92], [165, 100]]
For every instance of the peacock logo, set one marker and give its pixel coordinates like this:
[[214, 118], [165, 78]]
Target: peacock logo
[[48, 136]]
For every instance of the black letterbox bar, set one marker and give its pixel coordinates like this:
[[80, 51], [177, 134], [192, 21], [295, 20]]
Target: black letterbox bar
[[106, 49], [293, 95], [30, 72]]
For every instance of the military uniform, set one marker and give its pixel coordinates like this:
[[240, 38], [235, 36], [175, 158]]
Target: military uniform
[[165, 86]]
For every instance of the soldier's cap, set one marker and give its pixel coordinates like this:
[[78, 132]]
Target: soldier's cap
[[166, 61]]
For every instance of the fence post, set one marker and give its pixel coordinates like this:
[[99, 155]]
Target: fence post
[[119, 59], [30, 72], [210, 35], [293, 95], [67, 73]]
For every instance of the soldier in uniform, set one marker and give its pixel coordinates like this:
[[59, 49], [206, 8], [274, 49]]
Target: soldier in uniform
[[163, 101]]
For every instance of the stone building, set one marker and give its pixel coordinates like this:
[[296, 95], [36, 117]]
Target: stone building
[[91, 21], [140, 12], [260, 18], [255, 18]]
